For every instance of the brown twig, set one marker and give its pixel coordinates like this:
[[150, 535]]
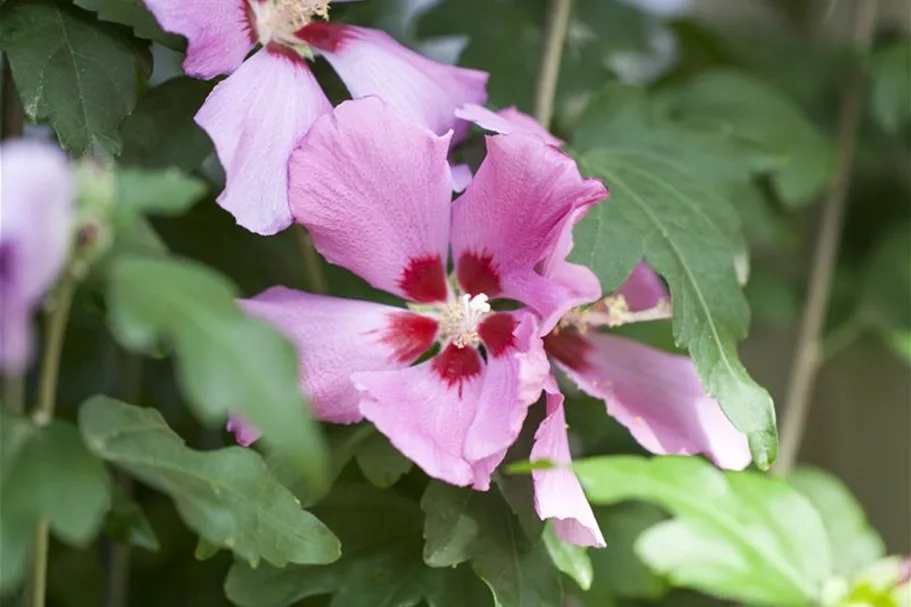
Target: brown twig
[[807, 357]]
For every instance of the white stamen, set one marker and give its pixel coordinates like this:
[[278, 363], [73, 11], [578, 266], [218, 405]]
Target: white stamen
[[277, 20], [460, 318], [612, 311]]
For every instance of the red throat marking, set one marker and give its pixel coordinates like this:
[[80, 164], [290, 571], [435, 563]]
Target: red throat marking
[[324, 36], [477, 274], [424, 280], [454, 365], [569, 348], [496, 333], [409, 336]]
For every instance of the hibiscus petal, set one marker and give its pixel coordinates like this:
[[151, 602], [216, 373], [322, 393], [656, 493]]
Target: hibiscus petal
[[36, 199], [511, 217], [255, 118], [371, 62], [426, 410], [655, 394], [643, 290], [516, 370], [218, 32], [461, 177], [578, 281], [245, 433], [337, 337], [374, 191], [558, 494], [506, 122]]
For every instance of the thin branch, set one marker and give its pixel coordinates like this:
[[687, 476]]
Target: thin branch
[[552, 54], [119, 555], [44, 413], [13, 114], [807, 357]]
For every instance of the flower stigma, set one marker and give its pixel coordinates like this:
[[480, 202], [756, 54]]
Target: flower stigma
[[459, 319], [278, 20]]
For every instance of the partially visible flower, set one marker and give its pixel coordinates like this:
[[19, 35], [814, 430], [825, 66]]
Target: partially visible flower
[[36, 215], [656, 395], [385, 213], [259, 114]]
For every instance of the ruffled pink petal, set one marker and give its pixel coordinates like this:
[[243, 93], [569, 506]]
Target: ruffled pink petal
[[245, 433], [506, 122], [512, 216], [426, 410], [558, 494], [644, 290], [218, 32], [516, 370], [337, 337], [255, 118], [578, 282], [374, 190], [656, 395], [461, 177], [370, 62], [36, 216]]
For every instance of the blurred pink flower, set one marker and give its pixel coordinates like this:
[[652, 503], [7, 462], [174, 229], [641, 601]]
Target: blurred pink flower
[[36, 198], [257, 116]]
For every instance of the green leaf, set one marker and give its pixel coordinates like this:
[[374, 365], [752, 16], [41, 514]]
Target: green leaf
[[684, 230], [168, 192], [227, 496], [342, 444], [161, 133], [450, 530], [891, 81], [758, 114], [380, 462], [853, 543], [570, 559], [70, 71], [618, 572], [228, 362], [40, 466], [737, 535], [462, 524], [134, 14], [381, 567], [127, 523]]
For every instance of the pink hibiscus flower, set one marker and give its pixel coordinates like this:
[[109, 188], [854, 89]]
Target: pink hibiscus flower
[[259, 114], [384, 212]]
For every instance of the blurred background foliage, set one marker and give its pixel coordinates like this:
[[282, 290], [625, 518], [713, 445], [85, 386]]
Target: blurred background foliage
[[745, 93]]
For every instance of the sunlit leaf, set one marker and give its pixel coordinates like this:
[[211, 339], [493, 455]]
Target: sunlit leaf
[[854, 544], [737, 535]]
